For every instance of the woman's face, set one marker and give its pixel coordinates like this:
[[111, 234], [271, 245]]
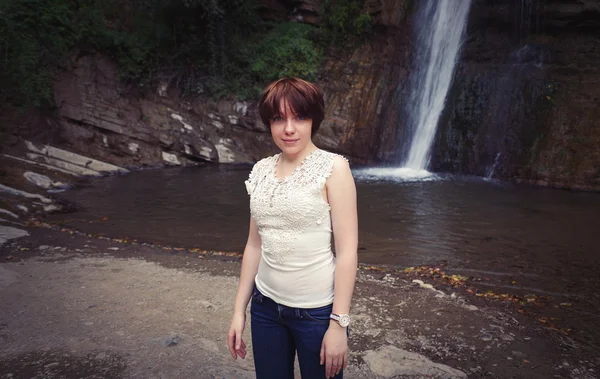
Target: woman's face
[[291, 132]]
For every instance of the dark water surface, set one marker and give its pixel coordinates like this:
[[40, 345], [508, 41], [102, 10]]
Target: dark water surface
[[521, 239]]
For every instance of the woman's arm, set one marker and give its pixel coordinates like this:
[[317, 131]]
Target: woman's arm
[[341, 194], [249, 269]]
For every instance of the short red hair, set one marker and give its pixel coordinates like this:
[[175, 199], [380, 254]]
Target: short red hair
[[302, 97]]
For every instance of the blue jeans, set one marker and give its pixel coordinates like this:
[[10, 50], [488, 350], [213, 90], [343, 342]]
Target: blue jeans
[[279, 331]]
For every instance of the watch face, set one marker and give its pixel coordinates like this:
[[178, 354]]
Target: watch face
[[344, 320]]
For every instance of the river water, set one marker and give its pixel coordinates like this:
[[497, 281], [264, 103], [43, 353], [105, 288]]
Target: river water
[[519, 239]]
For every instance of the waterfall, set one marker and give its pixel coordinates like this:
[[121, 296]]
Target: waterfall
[[441, 28], [490, 171]]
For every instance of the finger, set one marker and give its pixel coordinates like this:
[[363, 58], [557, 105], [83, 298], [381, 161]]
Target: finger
[[239, 343], [230, 343], [336, 367], [322, 355], [329, 366], [345, 360], [238, 339], [242, 349]]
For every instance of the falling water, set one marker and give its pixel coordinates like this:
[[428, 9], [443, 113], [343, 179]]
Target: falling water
[[490, 171], [441, 29]]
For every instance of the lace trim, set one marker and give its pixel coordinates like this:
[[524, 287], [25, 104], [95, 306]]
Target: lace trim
[[284, 208]]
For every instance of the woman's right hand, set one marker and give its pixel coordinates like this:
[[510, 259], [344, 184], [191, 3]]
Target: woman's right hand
[[237, 347]]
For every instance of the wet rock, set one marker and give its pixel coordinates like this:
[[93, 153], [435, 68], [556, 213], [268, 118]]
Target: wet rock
[[519, 354], [42, 180], [18, 192], [422, 284], [390, 361], [4, 211], [172, 340], [8, 233], [52, 208]]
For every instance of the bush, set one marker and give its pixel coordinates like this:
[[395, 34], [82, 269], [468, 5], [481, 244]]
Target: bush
[[211, 47], [32, 32], [343, 21], [286, 51]]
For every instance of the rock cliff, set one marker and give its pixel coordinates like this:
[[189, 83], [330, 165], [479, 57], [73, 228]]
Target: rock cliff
[[523, 105]]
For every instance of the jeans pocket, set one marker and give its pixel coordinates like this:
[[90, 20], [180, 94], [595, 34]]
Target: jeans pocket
[[320, 315], [257, 296]]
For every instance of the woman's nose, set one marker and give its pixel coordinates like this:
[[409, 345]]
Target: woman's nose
[[289, 127]]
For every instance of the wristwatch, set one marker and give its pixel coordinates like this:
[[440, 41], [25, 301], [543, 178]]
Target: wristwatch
[[342, 319]]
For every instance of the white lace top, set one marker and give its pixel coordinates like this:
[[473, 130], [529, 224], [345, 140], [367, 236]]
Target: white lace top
[[297, 265]]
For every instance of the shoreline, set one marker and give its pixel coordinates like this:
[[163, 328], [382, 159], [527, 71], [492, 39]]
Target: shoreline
[[399, 326], [523, 302]]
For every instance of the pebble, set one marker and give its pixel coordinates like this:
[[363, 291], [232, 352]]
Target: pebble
[[172, 341], [518, 354]]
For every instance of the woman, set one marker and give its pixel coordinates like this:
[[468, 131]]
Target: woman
[[300, 292]]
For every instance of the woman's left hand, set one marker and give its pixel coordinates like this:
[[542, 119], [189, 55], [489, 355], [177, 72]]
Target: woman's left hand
[[334, 350]]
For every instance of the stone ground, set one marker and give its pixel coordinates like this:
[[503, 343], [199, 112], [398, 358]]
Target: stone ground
[[81, 307]]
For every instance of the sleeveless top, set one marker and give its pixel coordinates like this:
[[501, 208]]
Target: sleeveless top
[[297, 265]]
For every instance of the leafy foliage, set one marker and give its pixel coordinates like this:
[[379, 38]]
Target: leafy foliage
[[212, 47], [344, 21], [26, 39], [286, 51]]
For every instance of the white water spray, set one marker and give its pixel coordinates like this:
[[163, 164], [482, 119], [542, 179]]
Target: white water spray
[[442, 27]]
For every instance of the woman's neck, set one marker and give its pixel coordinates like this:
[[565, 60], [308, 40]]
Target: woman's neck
[[298, 157]]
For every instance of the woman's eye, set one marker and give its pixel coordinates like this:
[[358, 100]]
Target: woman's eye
[[300, 117], [276, 119]]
